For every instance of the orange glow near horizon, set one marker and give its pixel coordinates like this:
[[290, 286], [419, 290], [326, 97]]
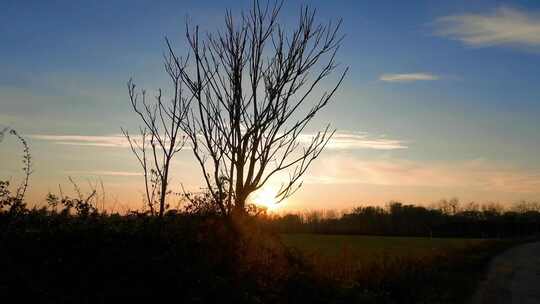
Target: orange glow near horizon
[[266, 197]]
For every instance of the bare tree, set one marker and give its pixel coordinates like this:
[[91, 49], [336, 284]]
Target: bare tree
[[160, 138], [254, 85]]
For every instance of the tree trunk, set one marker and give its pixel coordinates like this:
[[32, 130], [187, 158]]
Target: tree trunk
[[163, 193], [240, 204]]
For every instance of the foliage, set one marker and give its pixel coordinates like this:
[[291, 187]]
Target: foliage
[[14, 202], [50, 257], [60, 258], [204, 203], [10, 202]]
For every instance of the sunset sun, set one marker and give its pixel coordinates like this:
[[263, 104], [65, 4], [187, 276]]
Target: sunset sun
[[266, 197]]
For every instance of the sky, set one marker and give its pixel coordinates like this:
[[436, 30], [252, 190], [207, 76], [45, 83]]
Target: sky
[[442, 98]]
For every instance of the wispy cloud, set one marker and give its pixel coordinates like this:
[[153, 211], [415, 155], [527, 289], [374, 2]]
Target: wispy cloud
[[112, 141], [409, 77], [347, 140], [502, 26], [362, 140], [344, 140]]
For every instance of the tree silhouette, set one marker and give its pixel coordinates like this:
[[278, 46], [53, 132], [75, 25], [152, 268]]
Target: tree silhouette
[[15, 202], [253, 87], [160, 138]]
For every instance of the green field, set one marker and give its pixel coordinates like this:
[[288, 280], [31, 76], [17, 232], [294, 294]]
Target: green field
[[373, 246]]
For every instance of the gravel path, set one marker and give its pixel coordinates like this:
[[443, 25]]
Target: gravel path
[[513, 277]]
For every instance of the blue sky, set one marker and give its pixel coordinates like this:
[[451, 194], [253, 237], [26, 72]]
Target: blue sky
[[442, 98]]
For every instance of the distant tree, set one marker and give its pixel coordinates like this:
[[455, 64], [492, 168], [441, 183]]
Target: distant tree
[[492, 209], [252, 84], [524, 206], [449, 206], [160, 137]]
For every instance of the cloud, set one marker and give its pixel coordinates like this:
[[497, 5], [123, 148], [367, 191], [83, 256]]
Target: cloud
[[472, 174], [359, 140], [410, 77], [502, 26], [346, 140], [112, 141]]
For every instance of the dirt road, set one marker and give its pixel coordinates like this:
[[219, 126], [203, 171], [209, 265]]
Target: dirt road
[[513, 277]]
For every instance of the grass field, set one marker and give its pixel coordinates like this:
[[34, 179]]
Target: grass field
[[374, 246], [398, 269]]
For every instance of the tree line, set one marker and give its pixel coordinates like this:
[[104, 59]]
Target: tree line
[[446, 219]]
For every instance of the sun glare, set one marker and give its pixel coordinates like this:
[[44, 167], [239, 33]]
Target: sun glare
[[266, 197]]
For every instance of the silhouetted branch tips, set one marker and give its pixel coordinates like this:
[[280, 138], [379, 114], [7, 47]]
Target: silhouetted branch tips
[[160, 137], [250, 83], [15, 203]]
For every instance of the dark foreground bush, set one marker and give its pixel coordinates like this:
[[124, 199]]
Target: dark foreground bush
[[58, 258], [51, 258]]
